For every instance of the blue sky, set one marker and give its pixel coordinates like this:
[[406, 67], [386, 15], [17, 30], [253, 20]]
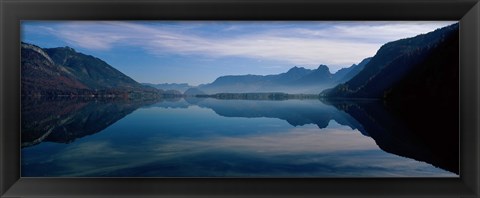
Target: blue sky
[[197, 52]]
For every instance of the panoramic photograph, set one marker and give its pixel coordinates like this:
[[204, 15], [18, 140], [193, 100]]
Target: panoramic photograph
[[271, 99]]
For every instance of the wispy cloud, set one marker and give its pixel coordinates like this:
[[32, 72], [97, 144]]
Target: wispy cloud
[[335, 44]]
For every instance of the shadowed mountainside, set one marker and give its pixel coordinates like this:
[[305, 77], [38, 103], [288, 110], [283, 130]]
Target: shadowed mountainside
[[63, 71], [419, 67]]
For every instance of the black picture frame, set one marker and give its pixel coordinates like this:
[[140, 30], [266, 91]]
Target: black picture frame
[[465, 11]]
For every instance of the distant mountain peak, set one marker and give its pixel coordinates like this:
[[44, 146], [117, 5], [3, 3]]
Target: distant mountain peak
[[69, 49], [323, 68], [38, 50], [322, 65], [296, 68]]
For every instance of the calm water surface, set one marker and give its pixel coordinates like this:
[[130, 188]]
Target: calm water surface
[[205, 138]]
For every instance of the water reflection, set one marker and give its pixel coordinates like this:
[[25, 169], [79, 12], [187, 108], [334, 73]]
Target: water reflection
[[64, 120], [422, 130], [294, 112], [210, 137]]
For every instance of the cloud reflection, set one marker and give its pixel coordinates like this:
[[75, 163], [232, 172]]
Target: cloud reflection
[[297, 140], [301, 152]]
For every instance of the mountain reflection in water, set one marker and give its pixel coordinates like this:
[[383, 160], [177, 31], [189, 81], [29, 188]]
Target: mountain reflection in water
[[211, 137]]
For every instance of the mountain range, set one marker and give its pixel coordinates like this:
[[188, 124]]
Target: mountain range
[[63, 71], [423, 66], [297, 80]]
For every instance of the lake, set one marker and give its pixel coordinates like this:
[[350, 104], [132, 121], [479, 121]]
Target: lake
[[207, 137]]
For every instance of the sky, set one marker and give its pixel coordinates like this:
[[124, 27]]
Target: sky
[[197, 52]]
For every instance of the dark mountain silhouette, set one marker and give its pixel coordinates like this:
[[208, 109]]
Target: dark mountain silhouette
[[435, 77], [417, 80], [413, 67], [63, 71], [297, 80]]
